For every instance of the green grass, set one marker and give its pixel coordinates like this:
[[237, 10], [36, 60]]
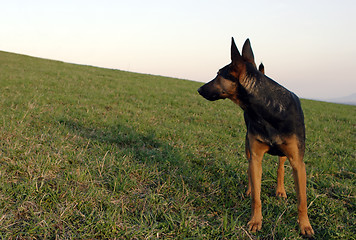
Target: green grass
[[91, 153]]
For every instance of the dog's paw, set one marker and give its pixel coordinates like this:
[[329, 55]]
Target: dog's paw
[[305, 228], [307, 231], [255, 224], [281, 194], [248, 192]]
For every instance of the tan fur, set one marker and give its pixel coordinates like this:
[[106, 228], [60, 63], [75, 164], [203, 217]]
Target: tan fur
[[255, 149]]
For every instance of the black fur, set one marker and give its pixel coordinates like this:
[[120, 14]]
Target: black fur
[[270, 110], [275, 125]]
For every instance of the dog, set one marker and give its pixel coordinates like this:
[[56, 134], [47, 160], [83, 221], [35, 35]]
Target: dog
[[275, 124]]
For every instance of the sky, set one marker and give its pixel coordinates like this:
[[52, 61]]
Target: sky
[[309, 46]]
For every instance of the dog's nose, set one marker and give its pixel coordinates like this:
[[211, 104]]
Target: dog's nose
[[199, 90]]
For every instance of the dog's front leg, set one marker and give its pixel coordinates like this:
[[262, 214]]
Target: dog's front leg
[[299, 175], [248, 156], [295, 153], [255, 172], [257, 150]]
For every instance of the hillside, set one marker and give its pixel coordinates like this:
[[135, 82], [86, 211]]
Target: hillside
[[91, 153], [350, 100]]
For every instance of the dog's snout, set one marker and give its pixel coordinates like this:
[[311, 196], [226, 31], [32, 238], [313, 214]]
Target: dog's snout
[[199, 90], [202, 91]]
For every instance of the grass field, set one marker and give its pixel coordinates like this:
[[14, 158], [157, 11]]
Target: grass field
[[91, 153]]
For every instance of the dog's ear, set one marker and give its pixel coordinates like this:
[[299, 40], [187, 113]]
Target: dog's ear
[[236, 57], [247, 53], [261, 68]]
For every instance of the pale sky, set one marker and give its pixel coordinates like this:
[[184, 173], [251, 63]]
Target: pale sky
[[309, 46]]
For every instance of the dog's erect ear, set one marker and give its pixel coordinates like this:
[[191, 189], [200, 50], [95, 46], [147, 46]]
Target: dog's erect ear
[[261, 68], [235, 54], [247, 53]]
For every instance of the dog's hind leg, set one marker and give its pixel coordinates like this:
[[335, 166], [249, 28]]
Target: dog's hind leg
[[280, 191]]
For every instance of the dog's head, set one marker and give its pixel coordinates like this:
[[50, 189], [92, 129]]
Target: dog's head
[[230, 78]]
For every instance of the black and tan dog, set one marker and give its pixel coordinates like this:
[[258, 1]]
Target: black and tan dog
[[275, 125]]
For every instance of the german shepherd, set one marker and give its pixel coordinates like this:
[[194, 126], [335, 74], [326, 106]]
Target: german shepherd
[[275, 125]]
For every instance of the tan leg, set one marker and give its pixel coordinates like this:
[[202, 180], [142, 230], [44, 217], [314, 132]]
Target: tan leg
[[248, 192], [248, 155], [295, 156], [257, 150], [280, 191]]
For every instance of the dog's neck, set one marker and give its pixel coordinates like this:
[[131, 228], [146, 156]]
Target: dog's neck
[[248, 83]]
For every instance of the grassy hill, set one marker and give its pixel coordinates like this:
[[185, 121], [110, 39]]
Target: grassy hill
[[91, 153]]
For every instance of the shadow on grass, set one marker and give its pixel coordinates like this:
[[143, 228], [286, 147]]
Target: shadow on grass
[[218, 183], [182, 191], [143, 148], [210, 190]]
